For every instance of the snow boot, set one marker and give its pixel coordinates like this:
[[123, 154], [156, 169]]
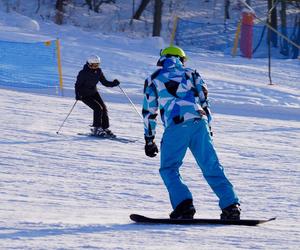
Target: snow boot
[[231, 212], [108, 133], [98, 131], [185, 210]]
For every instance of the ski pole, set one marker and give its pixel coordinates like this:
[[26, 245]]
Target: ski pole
[[66, 117], [132, 103]]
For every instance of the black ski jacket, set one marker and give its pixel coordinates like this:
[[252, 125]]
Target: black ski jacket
[[87, 80]]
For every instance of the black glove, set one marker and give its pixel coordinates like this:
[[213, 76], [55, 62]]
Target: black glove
[[77, 96], [116, 82], [151, 149]]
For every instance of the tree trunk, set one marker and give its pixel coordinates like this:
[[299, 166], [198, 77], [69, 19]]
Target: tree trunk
[[89, 3], [7, 6], [59, 6], [157, 18], [38, 7], [94, 5], [140, 10], [273, 22], [226, 9], [283, 15], [284, 46]]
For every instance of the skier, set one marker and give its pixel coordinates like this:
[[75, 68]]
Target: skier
[[181, 96], [86, 91]]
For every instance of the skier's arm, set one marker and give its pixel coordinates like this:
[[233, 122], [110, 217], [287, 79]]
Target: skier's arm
[[150, 108], [79, 81], [107, 83], [78, 85]]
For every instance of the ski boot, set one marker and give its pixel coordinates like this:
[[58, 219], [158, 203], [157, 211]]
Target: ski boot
[[185, 210], [108, 133], [231, 212], [98, 131]]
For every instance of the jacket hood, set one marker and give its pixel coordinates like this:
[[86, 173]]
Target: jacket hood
[[170, 63], [86, 66]]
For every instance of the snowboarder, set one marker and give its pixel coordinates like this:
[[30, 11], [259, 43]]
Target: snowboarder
[[181, 95], [86, 91]]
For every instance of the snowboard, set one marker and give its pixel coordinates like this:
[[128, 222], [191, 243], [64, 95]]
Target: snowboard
[[147, 220], [116, 138]]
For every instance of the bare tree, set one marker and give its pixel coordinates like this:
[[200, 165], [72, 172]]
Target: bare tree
[[6, 2], [272, 21], [140, 10], [95, 4], [284, 47], [226, 9], [157, 17], [38, 7], [59, 7]]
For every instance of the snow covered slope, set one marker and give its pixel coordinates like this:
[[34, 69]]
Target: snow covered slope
[[70, 192]]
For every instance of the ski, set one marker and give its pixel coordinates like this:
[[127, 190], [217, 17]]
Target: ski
[[147, 220], [117, 138]]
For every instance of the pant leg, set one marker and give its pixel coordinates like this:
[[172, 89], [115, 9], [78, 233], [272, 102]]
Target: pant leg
[[174, 145], [92, 102], [205, 154], [104, 112]]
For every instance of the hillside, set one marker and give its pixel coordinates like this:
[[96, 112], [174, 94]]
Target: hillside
[[71, 192], [115, 18]]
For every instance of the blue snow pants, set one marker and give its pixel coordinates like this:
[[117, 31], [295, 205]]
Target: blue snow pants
[[195, 135]]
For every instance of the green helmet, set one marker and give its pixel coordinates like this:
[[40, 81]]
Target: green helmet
[[173, 51]]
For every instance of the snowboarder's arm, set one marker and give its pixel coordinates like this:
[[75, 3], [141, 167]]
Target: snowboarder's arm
[[200, 86], [150, 108], [202, 90]]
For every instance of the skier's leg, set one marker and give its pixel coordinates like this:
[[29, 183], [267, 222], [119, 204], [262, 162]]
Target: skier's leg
[[205, 154], [96, 107], [104, 113], [173, 148]]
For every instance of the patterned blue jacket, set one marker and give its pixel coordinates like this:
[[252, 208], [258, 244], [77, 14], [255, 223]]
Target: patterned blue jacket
[[179, 93]]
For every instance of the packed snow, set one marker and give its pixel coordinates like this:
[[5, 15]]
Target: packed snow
[[68, 191]]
